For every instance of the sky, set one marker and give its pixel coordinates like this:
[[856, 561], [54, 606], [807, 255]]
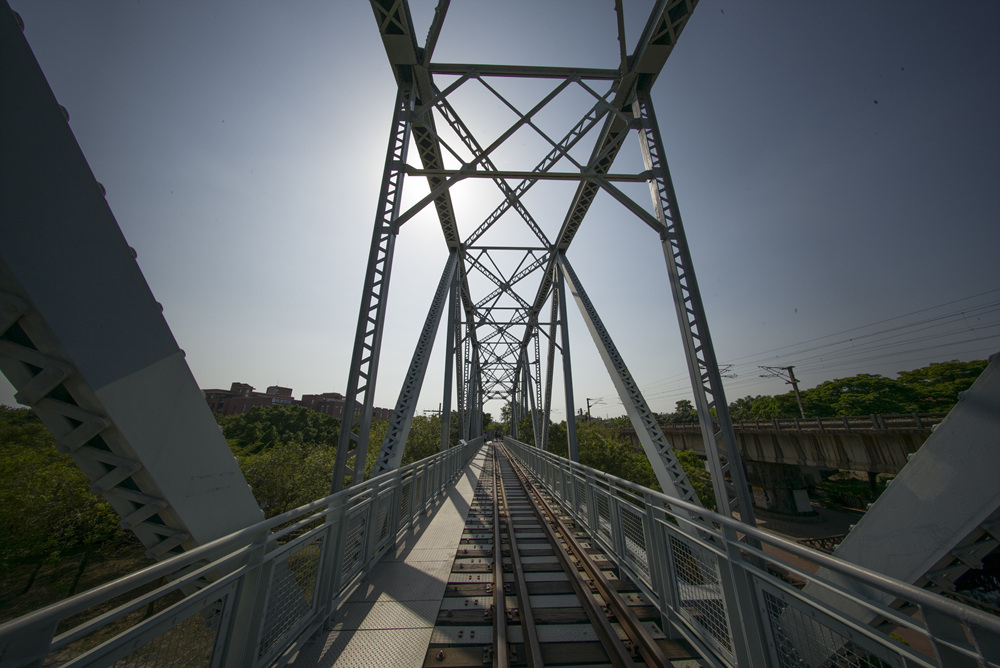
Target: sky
[[837, 167]]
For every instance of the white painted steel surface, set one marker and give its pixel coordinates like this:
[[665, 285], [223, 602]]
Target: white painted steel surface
[[84, 342]]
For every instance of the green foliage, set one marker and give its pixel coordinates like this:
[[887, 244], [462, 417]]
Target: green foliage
[[286, 453], [557, 440], [602, 447], [764, 407], [933, 388], [46, 508], [526, 431], [699, 476], [423, 440], [859, 395], [846, 489], [287, 475], [683, 414], [267, 426], [938, 385]]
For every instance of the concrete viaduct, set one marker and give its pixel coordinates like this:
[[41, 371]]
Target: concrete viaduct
[[783, 456]]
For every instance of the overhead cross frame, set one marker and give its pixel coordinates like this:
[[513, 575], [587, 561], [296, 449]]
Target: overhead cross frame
[[506, 288]]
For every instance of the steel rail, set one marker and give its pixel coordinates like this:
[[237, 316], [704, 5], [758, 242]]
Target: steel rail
[[617, 653], [500, 659], [533, 649], [637, 633]]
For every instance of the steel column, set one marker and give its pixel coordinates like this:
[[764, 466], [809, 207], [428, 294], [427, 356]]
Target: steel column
[[550, 367], [450, 340], [567, 366]]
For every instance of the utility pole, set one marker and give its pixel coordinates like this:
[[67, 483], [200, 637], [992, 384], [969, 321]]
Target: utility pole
[[439, 411], [779, 372], [598, 401]]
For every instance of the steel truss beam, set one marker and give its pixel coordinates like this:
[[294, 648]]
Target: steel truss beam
[[394, 443], [355, 424], [673, 481], [722, 450], [85, 344]]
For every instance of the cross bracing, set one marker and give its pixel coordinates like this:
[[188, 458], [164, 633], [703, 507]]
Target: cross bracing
[[511, 254]]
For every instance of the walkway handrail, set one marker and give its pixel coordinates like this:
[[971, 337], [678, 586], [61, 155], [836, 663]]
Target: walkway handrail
[[737, 604], [245, 599]]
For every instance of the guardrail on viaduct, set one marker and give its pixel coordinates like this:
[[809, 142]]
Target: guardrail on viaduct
[[923, 422]]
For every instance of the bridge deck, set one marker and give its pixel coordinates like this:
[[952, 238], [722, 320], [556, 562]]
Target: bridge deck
[[389, 619]]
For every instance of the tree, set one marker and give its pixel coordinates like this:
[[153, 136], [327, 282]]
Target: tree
[[863, 394], [287, 475], [938, 385], [764, 407], [683, 414], [698, 476], [266, 426], [47, 511]]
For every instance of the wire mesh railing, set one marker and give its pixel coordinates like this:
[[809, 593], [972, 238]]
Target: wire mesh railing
[[248, 599], [740, 604]]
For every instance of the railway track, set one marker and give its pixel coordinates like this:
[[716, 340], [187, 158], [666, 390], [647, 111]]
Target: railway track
[[545, 596]]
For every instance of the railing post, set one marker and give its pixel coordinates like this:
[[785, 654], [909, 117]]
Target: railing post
[[371, 536], [660, 569], [572, 497], [397, 496], [746, 624], [243, 634], [615, 518], [338, 546], [328, 560]]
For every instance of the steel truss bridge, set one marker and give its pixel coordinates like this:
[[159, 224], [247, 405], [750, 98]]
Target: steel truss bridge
[[121, 400]]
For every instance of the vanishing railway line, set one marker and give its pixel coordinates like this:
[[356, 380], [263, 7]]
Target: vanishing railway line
[[563, 601]]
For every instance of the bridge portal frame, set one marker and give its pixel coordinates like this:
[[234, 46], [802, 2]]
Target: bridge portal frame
[[500, 328]]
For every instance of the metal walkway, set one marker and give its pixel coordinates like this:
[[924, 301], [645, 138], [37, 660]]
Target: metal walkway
[[389, 618]]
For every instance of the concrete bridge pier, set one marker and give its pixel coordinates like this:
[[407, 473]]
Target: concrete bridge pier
[[780, 488]]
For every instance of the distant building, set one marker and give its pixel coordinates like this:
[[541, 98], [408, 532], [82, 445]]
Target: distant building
[[241, 397], [328, 403]]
